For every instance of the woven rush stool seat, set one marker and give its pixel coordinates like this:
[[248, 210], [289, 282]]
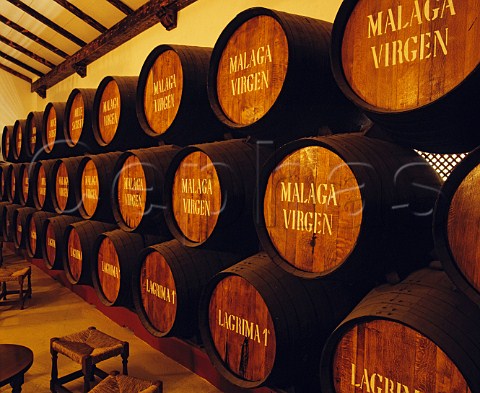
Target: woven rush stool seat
[[87, 347], [11, 274], [117, 383]]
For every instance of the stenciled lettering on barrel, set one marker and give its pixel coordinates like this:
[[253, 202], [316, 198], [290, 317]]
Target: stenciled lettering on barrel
[[313, 209]]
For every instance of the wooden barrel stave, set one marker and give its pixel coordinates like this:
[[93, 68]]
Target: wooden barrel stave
[[18, 139], [8, 229], [63, 174], [19, 220], [34, 227], [7, 143], [41, 184], [33, 134]]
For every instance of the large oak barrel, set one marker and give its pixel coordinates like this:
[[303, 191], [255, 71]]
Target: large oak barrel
[[347, 206], [3, 173], [3, 211], [167, 283], [261, 325], [63, 174], [41, 184], [456, 230], [93, 186], [8, 229], [79, 256], [25, 196], [33, 134], [34, 226], [210, 193], [428, 53], [77, 127], [19, 220], [7, 143], [53, 243], [138, 189], [116, 253], [115, 124], [417, 336], [53, 141], [12, 182], [172, 100], [270, 77], [19, 152]]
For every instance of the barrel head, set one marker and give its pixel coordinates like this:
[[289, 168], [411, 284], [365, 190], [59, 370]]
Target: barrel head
[[90, 188], [76, 119], [109, 112], [61, 186], [50, 129], [108, 270], [74, 255]]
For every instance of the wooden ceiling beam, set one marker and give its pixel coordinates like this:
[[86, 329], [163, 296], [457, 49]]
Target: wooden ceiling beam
[[121, 6], [15, 73], [82, 15], [33, 37], [140, 20], [60, 30], [25, 51], [20, 64]]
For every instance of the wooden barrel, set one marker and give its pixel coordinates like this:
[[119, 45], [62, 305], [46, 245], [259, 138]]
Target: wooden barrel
[[455, 226], [266, 61], [40, 183], [8, 229], [34, 226], [18, 138], [3, 173], [7, 143], [115, 124], [172, 100], [19, 220], [261, 325], [77, 127], [12, 182], [25, 196], [53, 141], [167, 284], [53, 239], [33, 134], [138, 195], [419, 336], [347, 206], [428, 52], [212, 192], [63, 174], [3, 210], [93, 186], [78, 256], [115, 253]]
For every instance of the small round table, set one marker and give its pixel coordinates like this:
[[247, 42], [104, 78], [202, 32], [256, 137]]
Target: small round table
[[15, 361]]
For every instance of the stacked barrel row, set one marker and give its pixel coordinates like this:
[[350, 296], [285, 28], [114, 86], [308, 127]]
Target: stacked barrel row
[[274, 246]]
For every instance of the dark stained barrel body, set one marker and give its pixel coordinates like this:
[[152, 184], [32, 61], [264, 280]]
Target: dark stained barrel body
[[115, 123], [33, 134], [172, 100], [7, 143], [93, 186], [138, 189], [34, 227], [77, 125], [456, 231], [167, 283], [347, 206], [53, 143], [63, 174], [53, 243], [8, 229], [210, 193], [78, 256], [19, 151], [19, 220], [3, 212], [420, 335], [3, 173], [270, 77], [41, 184], [25, 196], [262, 325], [12, 183], [428, 52]]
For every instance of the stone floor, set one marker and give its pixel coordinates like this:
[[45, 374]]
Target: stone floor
[[55, 311]]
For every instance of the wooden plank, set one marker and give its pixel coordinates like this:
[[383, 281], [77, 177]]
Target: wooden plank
[[121, 6], [82, 15], [142, 19], [20, 64], [15, 73], [25, 51], [33, 37], [37, 15]]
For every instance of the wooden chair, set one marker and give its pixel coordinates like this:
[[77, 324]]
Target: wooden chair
[[18, 275], [116, 382], [87, 348]]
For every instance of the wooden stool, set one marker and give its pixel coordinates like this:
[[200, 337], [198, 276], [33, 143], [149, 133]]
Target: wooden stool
[[117, 383], [87, 348], [16, 275]]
